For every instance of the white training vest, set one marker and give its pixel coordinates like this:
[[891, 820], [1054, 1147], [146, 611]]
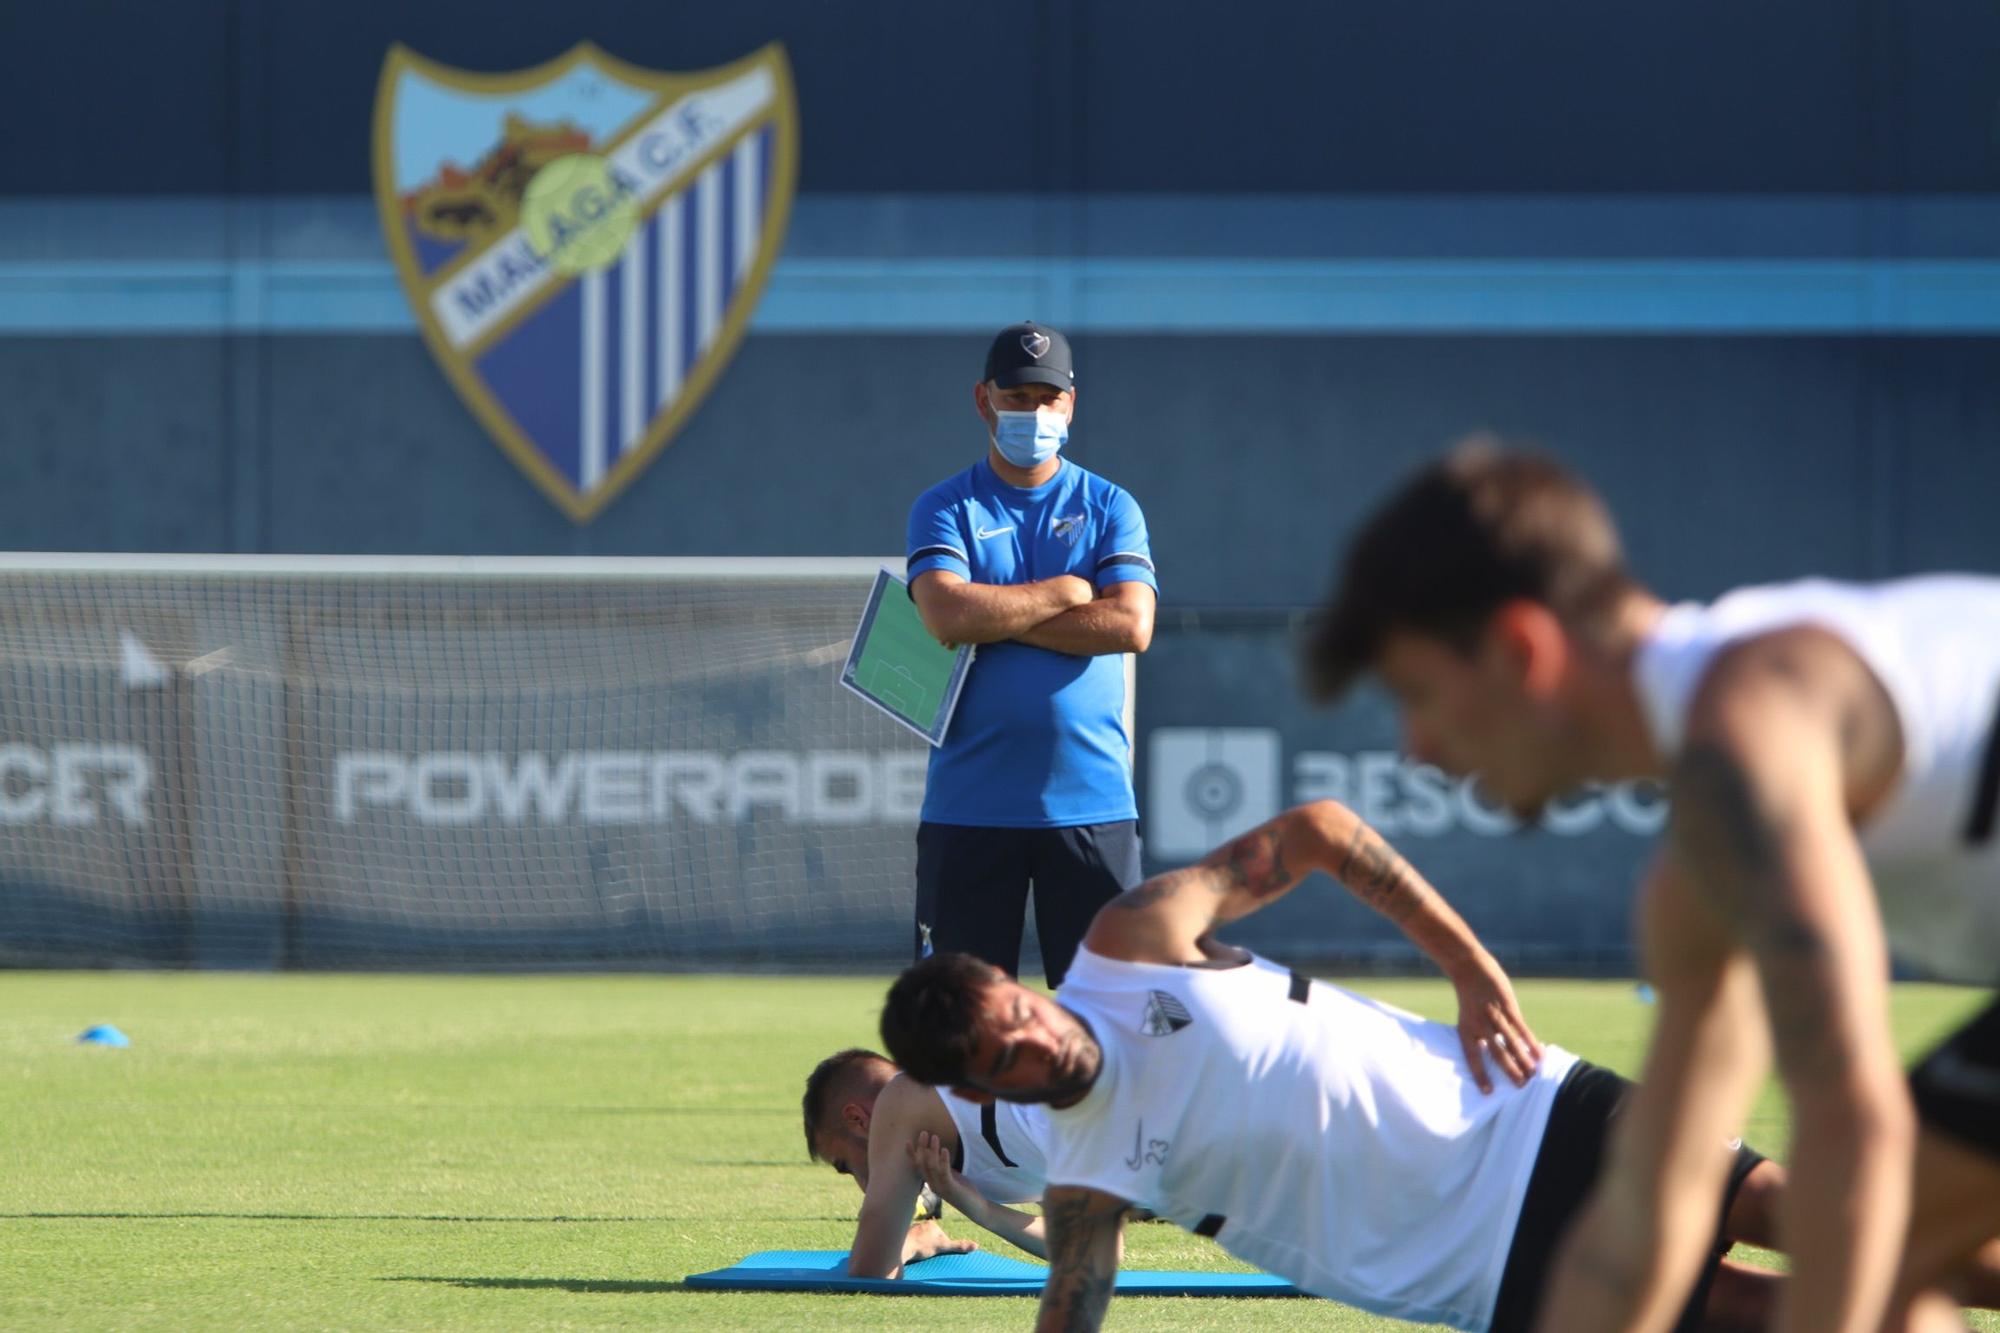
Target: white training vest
[[1334, 1141], [1003, 1147], [1934, 644]]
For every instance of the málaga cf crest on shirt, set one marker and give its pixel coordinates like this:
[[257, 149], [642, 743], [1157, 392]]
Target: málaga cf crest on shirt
[[583, 243]]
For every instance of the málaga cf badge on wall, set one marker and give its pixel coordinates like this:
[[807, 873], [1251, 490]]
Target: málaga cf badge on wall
[[583, 243]]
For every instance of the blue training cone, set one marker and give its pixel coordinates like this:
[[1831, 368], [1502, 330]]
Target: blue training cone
[[103, 1035]]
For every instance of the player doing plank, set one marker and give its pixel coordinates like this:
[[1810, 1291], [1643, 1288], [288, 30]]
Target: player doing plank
[[1340, 1143], [891, 1133]]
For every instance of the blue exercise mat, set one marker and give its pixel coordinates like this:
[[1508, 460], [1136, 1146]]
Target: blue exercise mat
[[975, 1274]]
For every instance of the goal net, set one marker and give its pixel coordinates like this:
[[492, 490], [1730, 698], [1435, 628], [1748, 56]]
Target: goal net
[[334, 762]]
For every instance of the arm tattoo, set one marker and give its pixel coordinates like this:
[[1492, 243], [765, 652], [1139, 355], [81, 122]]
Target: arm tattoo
[[1717, 822], [1080, 1283], [1729, 842], [1374, 873], [1254, 863]]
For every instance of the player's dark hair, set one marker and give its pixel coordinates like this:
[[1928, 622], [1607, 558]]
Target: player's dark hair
[[1481, 527], [930, 1021], [825, 1079]]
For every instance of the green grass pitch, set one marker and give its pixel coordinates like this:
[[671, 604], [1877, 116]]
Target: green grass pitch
[[477, 1152]]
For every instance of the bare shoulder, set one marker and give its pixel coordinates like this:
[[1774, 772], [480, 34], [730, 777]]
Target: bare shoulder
[[1805, 664], [905, 1107], [1164, 919], [1135, 927], [1800, 690]]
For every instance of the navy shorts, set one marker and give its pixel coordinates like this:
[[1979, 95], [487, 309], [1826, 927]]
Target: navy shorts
[[973, 885]]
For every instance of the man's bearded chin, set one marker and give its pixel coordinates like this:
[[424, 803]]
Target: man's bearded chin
[[1070, 1085]]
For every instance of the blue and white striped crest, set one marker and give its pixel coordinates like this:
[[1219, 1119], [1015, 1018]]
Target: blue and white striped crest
[[583, 244]]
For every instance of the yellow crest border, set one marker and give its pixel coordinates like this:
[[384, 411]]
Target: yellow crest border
[[485, 407]]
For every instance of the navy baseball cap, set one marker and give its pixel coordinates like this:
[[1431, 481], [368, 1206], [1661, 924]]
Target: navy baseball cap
[[1029, 353]]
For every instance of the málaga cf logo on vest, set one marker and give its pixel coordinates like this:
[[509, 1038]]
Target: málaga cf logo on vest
[[1165, 1015], [583, 243]]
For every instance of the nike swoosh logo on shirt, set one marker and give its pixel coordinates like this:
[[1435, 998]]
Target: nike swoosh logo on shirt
[[984, 533]]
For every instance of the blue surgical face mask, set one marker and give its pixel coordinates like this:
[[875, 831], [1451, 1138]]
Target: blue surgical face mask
[[1029, 439]]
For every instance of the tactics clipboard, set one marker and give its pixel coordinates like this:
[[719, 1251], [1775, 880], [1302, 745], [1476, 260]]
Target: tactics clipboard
[[899, 668]]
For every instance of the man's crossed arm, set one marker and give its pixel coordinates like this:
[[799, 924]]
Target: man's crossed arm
[[1064, 614]]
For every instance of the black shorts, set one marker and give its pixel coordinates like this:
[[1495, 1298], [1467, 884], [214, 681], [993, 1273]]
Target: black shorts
[[1957, 1087], [973, 886], [1565, 1169]]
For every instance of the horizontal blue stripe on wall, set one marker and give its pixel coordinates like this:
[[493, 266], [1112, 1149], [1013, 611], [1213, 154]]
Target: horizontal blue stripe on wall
[[184, 298], [1489, 264]]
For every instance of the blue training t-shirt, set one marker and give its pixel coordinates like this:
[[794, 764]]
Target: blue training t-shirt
[[1038, 740]]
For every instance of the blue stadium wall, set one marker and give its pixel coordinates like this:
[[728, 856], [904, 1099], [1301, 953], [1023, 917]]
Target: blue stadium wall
[[1740, 263]]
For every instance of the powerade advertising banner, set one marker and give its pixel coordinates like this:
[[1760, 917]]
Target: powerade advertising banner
[[383, 772], [369, 771]]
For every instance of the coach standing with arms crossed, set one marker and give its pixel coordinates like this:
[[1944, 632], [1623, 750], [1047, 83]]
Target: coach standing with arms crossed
[[1047, 568]]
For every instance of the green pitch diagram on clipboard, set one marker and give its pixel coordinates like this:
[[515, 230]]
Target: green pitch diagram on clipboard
[[898, 667]]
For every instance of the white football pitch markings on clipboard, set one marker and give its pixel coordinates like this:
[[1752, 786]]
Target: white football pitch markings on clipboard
[[897, 667]]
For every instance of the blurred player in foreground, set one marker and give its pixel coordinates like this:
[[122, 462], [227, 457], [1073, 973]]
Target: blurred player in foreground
[[1337, 1142], [867, 1120], [1816, 734]]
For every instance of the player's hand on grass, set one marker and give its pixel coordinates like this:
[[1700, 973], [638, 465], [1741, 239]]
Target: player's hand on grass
[[1490, 1025], [927, 1240], [933, 1160]]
